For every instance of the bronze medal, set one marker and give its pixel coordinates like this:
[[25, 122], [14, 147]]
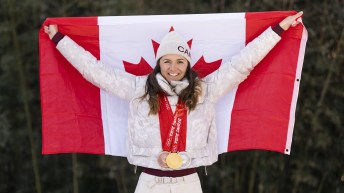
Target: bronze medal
[[162, 159], [174, 161]]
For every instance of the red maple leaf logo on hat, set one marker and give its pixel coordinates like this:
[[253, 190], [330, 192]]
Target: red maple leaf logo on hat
[[142, 68]]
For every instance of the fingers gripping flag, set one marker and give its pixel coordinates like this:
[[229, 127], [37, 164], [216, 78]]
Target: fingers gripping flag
[[258, 114]]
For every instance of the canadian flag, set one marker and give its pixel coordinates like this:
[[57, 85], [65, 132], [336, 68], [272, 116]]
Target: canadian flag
[[258, 114]]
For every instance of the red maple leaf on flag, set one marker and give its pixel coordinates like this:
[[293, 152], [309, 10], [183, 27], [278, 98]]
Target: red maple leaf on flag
[[142, 68]]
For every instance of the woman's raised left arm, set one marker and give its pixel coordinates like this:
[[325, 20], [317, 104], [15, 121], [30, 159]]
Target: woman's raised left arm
[[238, 68]]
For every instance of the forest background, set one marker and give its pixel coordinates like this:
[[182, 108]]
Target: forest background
[[317, 157]]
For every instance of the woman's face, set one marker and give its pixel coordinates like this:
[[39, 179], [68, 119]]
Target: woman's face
[[173, 67]]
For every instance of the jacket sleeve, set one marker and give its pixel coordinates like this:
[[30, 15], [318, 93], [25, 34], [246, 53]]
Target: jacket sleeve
[[237, 69], [104, 76]]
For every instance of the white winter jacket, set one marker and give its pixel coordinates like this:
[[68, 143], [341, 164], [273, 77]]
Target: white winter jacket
[[144, 142]]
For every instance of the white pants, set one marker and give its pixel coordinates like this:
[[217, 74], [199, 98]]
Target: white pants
[[153, 184]]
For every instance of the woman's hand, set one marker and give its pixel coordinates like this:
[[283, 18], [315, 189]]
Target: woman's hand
[[292, 20], [51, 30]]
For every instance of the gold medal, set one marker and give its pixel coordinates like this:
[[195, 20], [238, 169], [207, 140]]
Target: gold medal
[[174, 160], [162, 159]]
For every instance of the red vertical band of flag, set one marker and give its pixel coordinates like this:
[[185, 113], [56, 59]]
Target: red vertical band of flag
[[256, 121], [71, 113]]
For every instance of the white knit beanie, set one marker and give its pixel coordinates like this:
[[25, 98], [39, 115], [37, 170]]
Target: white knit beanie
[[172, 43]]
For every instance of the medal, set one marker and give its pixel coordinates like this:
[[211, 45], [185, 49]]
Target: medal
[[162, 159], [186, 159], [174, 160], [173, 135]]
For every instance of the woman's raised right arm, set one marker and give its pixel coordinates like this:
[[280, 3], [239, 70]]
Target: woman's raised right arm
[[106, 77]]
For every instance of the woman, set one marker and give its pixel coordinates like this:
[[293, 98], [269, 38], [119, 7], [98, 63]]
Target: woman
[[171, 127]]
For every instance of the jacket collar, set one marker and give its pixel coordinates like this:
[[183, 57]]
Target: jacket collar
[[174, 87]]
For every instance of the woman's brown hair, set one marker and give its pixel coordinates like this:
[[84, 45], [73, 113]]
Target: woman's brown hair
[[189, 95]]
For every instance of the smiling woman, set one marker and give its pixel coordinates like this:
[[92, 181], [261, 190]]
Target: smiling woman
[[173, 74], [173, 67], [173, 137]]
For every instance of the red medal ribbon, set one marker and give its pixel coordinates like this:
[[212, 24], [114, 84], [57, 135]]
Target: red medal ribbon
[[172, 125]]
